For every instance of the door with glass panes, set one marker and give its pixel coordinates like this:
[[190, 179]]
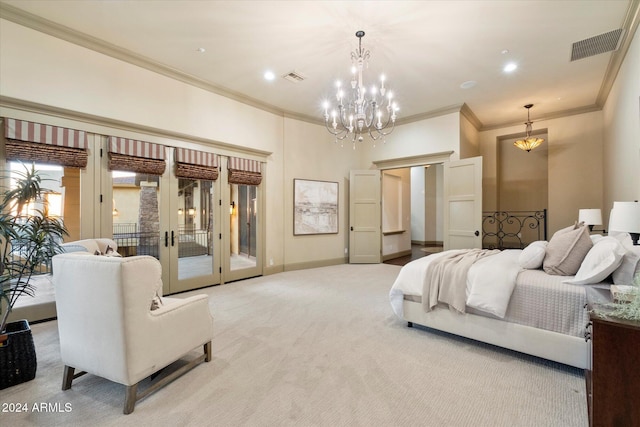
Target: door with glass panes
[[243, 236], [194, 237], [174, 219]]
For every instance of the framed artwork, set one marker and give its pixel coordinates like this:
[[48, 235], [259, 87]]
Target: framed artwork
[[315, 207]]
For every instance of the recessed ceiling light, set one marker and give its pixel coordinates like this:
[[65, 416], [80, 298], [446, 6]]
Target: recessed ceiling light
[[468, 84], [201, 50], [510, 67], [268, 75]]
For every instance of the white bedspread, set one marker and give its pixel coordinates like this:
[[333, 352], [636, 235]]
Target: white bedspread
[[490, 282]]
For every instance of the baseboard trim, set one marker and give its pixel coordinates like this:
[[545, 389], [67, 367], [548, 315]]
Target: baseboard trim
[[274, 269], [315, 264], [427, 242], [396, 255]]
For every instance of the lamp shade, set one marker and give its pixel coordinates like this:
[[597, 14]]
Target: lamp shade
[[590, 216], [625, 217]]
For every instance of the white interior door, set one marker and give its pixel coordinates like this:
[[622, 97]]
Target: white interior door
[[364, 217], [463, 204]]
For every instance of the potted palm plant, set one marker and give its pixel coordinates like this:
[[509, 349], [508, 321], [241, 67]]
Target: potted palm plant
[[28, 240]]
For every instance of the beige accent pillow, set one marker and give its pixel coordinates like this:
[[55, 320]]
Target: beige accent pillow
[[566, 250]]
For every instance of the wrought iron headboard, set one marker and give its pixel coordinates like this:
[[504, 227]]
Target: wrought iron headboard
[[513, 230]]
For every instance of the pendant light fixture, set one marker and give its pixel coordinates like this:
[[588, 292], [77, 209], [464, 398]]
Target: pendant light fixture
[[528, 143]]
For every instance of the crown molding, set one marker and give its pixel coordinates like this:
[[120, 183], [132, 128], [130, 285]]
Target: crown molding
[[548, 116], [469, 115], [36, 108], [430, 114], [630, 26]]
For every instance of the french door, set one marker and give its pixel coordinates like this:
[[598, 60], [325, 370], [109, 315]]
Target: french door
[[193, 235], [175, 220], [243, 238], [204, 232]]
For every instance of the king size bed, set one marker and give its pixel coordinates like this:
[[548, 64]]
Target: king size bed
[[505, 298]]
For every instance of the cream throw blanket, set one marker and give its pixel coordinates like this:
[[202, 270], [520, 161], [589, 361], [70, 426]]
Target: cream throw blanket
[[446, 278]]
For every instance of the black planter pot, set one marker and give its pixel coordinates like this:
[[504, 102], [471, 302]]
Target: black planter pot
[[17, 355]]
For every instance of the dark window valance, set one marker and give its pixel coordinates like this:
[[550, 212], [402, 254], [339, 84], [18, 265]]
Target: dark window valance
[[136, 156], [194, 164], [244, 171], [36, 142]]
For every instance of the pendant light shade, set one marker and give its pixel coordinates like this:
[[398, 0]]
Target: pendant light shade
[[528, 143]]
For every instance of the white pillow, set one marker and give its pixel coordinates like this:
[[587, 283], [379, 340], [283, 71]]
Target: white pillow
[[630, 266], [596, 237], [532, 256], [601, 260]]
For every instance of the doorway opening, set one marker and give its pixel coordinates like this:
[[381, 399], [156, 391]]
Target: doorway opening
[[412, 212]]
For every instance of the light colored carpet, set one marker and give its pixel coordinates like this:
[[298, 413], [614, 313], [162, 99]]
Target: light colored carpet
[[318, 347]]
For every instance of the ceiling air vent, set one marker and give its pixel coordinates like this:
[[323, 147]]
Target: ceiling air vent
[[293, 77], [596, 45]]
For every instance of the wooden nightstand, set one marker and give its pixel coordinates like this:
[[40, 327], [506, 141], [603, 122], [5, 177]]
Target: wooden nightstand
[[613, 376]]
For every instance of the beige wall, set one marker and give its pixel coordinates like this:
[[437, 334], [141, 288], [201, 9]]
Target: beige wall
[[310, 153], [126, 200], [71, 209], [574, 162], [426, 204], [433, 135], [621, 156], [418, 204], [469, 139], [89, 82], [523, 176]]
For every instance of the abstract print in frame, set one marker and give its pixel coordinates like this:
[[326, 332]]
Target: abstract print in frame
[[315, 207]]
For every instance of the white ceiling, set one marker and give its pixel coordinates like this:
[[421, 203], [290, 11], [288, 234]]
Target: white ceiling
[[427, 49]]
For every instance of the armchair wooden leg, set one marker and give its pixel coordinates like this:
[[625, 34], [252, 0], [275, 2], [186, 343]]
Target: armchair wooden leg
[[207, 352], [130, 399], [67, 377]]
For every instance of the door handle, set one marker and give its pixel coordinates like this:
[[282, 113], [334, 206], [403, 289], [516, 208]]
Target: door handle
[[173, 238], [477, 233], [166, 239], [351, 228]]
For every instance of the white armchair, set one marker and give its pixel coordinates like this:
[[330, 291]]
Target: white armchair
[[107, 327]]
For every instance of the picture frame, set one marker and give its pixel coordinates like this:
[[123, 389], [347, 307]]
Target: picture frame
[[315, 207]]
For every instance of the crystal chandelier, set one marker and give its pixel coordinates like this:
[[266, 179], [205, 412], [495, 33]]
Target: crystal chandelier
[[528, 143], [360, 111]]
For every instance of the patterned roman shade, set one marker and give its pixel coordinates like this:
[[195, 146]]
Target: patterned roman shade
[[194, 164], [136, 156], [244, 171], [35, 142]]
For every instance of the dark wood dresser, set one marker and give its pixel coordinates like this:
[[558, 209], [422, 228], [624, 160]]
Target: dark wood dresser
[[613, 375]]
